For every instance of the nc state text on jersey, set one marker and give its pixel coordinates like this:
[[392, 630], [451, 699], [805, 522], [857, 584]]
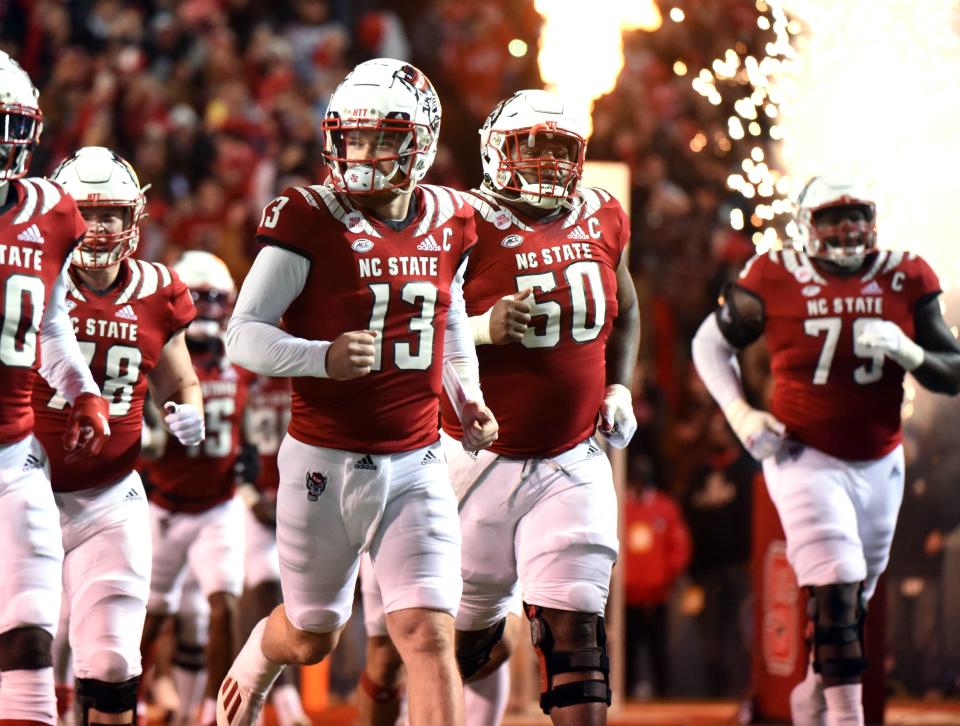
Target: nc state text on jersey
[[870, 305], [399, 266], [554, 255], [26, 257], [93, 327]]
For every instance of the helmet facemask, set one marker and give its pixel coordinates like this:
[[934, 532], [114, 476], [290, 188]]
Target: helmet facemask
[[371, 158], [214, 307], [541, 165], [102, 248], [20, 127], [843, 232]]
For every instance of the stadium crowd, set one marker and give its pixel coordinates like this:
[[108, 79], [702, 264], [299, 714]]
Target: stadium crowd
[[217, 104]]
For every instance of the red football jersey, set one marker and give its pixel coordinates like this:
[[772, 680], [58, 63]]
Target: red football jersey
[[267, 418], [39, 231], [365, 275], [121, 335], [828, 391], [197, 478], [547, 389]]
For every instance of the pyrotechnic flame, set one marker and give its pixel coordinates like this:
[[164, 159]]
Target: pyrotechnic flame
[[871, 95], [581, 45]]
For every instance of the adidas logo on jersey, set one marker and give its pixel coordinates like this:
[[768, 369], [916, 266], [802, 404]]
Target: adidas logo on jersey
[[367, 463], [132, 496], [429, 458], [69, 304], [872, 288], [126, 312], [577, 233], [429, 245], [32, 462], [593, 451], [31, 234]]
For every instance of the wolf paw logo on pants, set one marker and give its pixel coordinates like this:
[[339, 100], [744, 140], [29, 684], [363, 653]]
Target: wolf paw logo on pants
[[316, 483]]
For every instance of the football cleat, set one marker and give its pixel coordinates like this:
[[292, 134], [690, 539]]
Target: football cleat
[[237, 705]]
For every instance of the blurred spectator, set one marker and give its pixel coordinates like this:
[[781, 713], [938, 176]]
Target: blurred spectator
[[656, 551], [915, 616], [717, 506]]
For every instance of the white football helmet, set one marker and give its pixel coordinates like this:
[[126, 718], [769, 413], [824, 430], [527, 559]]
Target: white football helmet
[[98, 178], [513, 142], [398, 101], [844, 242], [20, 118], [213, 291]]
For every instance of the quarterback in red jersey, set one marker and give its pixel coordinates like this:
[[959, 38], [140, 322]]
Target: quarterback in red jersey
[[843, 322], [196, 516], [128, 317], [40, 227], [365, 273]]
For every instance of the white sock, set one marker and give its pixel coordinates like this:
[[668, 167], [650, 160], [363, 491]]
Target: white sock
[[844, 705], [28, 695], [486, 700], [190, 685], [251, 667], [286, 701]]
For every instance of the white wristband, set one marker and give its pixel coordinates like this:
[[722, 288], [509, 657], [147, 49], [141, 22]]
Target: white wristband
[[480, 327]]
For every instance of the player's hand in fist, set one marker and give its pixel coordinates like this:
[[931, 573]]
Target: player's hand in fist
[[760, 432], [617, 421], [88, 427], [185, 421], [479, 426], [351, 355], [509, 318], [885, 336]]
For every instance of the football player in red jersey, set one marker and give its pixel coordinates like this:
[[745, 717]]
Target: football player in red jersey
[[40, 227], [553, 307], [365, 274], [266, 420], [129, 318], [549, 283], [196, 515], [843, 321]]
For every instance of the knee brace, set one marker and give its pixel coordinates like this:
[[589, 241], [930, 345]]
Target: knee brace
[[839, 635], [581, 660], [470, 663], [96, 698], [25, 649]]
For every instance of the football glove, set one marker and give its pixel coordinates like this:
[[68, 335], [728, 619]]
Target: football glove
[[760, 432], [886, 337], [88, 427], [185, 421], [617, 421]]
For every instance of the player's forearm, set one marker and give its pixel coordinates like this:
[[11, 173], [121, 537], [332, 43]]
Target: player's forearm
[[939, 372], [623, 346], [266, 349], [716, 363], [458, 344], [63, 365]]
